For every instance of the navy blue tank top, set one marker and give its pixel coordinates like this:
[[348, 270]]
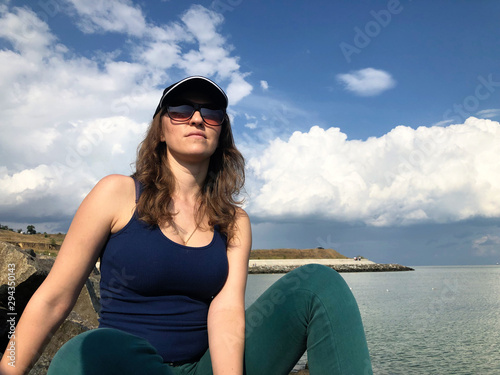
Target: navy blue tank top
[[160, 290]]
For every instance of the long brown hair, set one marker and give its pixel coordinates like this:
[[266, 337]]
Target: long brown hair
[[219, 194]]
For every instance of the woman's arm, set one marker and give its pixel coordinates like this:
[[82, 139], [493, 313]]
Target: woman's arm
[[55, 298], [226, 316]]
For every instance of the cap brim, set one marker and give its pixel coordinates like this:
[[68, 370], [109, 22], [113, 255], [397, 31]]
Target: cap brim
[[203, 87]]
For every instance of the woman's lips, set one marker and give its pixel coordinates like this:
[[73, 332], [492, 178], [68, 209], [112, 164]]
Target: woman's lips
[[196, 134]]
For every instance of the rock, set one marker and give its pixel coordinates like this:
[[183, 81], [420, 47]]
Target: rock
[[30, 272], [71, 327], [304, 371]]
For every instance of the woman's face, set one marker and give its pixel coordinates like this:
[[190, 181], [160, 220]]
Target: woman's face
[[192, 140]]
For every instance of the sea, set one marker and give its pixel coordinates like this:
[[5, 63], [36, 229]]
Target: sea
[[434, 320]]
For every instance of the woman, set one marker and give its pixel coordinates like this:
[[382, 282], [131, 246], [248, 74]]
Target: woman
[[174, 248]]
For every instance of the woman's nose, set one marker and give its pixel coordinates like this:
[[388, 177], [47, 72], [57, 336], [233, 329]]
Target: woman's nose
[[196, 119]]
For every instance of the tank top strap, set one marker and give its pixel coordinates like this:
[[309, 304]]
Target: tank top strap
[[138, 189]]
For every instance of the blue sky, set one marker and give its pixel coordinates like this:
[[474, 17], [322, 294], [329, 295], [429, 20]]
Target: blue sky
[[369, 127]]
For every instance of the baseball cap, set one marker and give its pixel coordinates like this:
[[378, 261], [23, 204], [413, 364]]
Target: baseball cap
[[201, 85]]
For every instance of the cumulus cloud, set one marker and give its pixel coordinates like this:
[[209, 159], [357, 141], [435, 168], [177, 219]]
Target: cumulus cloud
[[69, 119], [264, 85], [407, 176], [367, 82]]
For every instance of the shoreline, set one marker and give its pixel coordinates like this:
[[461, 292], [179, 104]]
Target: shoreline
[[266, 266]]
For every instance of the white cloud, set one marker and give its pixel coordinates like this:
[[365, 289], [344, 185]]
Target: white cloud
[[28, 179], [429, 174], [203, 23], [119, 16], [367, 82], [488, 113], [69, 119], [442, 123], [238, 88], [264, 85], [28, 34]]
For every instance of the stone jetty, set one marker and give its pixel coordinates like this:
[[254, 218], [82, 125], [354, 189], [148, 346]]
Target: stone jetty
[[262, 266]]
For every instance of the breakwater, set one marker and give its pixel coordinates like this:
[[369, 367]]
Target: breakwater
[[341, 267]]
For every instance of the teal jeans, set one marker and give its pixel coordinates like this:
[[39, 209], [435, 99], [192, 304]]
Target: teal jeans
[[309, 308]]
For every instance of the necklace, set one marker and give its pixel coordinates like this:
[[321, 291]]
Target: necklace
[[191, 235], [184, 242]]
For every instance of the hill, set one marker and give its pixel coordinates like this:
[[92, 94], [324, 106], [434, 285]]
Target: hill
[[39, 242], [296, 254]]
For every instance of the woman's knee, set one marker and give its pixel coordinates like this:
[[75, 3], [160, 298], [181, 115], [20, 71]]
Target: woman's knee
[[315, 277], [103, 351]]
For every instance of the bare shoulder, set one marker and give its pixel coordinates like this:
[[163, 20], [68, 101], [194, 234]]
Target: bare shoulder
[[113, 190], [241, 214], [243, 231], [116, 184], [242, 220], [116, 193]]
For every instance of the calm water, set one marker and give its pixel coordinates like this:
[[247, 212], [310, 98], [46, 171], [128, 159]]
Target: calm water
[[434, 320]]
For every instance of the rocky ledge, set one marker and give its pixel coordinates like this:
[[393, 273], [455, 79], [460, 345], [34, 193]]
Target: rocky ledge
[[24, 269], [360, 267]]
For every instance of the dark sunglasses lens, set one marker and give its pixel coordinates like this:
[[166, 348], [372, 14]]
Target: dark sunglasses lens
[[212, 116], [180, 112], [184, 112]]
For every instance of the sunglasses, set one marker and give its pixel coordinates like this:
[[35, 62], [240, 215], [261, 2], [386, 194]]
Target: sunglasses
[[181, 113]]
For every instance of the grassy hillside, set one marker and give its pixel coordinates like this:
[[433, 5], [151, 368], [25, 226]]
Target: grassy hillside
[[41, 243], [296, 254]]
